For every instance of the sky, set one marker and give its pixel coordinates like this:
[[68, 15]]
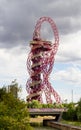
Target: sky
[[17, 21]]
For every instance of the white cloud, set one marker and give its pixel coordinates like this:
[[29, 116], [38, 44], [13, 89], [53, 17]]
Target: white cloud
[[69, 48], [66, 80], [13, 65], [71, 75]]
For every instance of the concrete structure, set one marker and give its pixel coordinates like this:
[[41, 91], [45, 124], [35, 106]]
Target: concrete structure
[[57, 113]]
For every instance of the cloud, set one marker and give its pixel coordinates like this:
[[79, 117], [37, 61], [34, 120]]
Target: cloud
[[18, 18], [68, 58], [13, 65], [65, 81], [69, 50], [71, 75]]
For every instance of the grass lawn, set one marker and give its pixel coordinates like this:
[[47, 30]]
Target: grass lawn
[[74, 123]]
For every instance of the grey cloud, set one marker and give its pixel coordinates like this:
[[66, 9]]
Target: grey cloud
[[18, 18]]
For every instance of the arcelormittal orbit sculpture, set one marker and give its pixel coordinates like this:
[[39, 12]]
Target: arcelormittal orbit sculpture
[[40, 63]]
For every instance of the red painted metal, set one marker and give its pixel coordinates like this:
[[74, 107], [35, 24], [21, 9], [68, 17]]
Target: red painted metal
[[40, 63]]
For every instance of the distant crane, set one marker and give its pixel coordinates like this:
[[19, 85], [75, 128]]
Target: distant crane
[[40, 63]]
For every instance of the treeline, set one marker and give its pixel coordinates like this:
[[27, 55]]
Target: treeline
[[37, 104], [73, 109]]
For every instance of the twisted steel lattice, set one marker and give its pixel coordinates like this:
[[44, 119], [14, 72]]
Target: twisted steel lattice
[[40, 63]]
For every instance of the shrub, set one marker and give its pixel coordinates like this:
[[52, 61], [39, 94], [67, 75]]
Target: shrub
[[13, 114]]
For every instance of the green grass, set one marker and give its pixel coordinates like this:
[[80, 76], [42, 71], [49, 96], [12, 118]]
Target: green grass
[[74, 123]]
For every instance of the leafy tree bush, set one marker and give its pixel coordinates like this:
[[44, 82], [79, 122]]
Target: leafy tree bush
[[37, 104], [34, 104], [79, 110], [13, 113], [2, 93], [71, 113], [74, 112]]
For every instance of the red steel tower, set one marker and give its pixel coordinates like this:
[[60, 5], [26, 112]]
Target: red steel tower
[[40, 63]]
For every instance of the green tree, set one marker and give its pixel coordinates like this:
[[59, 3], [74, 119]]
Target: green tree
[[2, 93], [13, 113], [71, 112], [34, 104], [79, 110]]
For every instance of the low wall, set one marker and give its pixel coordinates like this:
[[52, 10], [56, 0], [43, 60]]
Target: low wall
[[61, 126]]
